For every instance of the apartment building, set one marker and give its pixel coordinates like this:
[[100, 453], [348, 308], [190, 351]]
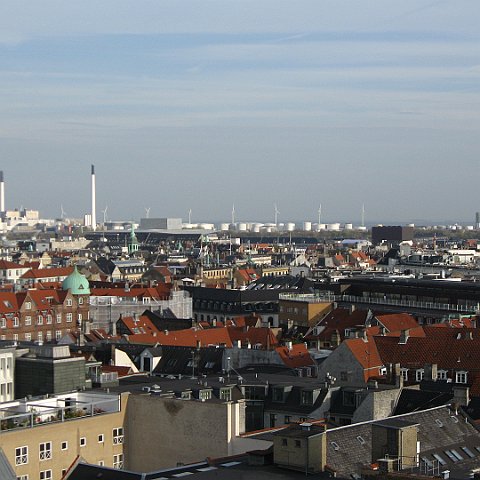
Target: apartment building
[[42, 437]]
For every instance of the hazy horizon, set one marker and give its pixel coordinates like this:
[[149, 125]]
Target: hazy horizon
[[203, 105]]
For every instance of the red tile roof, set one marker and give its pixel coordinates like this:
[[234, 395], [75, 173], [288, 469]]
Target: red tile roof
[[366, 353], [295, 357], [36, 273], [397, 321]]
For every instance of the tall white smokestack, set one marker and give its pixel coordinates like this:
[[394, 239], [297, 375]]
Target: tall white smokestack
[[2, 193], [94, 213]]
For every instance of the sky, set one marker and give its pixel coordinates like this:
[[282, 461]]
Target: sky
[[202, 104]]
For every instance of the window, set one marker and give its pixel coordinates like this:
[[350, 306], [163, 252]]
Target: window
[[16, 322], [22, 477], [284, 442], [101, 438], [205, 395], [80, 301], [83, 441], [440, 460], [64, 445], [69, 317], [28, 320], [21, 456], [79, 317], [361, 439], [59, 318], [461, 377], [101, 463], [278, 394], [288, 419], [3, 323], [307, 397], [118, 461], [28, 305], [45, 451], [46, 475], [468, 452], [419, 374], [404, 374], [186, 395], [49, 319], [442, 375], [298, 443], [335, 446], [273, 419], [69, 302], [39, 320], [117, 436], [226, 394]]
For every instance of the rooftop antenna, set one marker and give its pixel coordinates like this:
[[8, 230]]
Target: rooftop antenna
[[233, 214], [147, 212], [320, 214], [190, 216], [363, 215], [276, 213]]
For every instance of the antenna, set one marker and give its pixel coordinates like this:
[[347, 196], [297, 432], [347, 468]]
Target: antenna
[[233, 214], [276, 213], [320, 214], [190, 216], [147, 212], [363, 215]]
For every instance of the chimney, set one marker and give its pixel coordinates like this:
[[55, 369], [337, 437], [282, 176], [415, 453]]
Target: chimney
[[94, 212], [352, 308], [2, 193], [404, 336], [289, 345], [461, 395], [430, 372]]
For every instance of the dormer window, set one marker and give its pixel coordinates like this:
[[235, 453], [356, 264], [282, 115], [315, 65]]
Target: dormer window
[[307, 397], [28, 305], [419, 374], [461, 377], [278, 394], [205, 395], [69, 302], [226, 394]]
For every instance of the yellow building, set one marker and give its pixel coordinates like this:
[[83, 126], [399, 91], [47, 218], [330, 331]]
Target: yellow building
[[42, 437]]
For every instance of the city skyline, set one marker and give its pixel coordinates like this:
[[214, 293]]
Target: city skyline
[[248, 104]]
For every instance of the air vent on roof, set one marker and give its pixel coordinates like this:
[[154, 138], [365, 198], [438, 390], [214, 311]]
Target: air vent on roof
[[439, 422], [335, 445]]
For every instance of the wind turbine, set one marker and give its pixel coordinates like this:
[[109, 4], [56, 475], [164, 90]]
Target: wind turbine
[[190, 216], [276, 213], [64, 213], [233, 214], [363, 215], [147, 212], [320, 214], [105, 214]]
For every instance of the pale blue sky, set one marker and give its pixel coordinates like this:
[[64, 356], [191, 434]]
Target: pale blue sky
[[201, 104]]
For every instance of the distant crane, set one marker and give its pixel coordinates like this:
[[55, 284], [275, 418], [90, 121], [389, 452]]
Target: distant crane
[[63, 214], [190, 216], [147, 212], [363, 215], [233, 214], [320, 214], [276, 213]]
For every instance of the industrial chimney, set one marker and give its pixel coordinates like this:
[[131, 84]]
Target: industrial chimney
[[94, 213], [2, 193]]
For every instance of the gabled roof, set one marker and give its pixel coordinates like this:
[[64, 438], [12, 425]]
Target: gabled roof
[[36, 273], [366, 353], [397, 321], [6, 265]]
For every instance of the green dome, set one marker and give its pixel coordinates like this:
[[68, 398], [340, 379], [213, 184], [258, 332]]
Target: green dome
[[76, 283]]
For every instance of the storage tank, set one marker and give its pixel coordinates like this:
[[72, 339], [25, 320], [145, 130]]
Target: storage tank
[[242, 227], [307, 226], [290, 227], [348, 226], [333, 226], [224, 227]]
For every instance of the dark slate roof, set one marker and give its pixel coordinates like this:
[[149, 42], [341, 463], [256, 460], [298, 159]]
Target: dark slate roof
[[177, 360], [439, 429], [6, 470], [83, 471], [412, 400]]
